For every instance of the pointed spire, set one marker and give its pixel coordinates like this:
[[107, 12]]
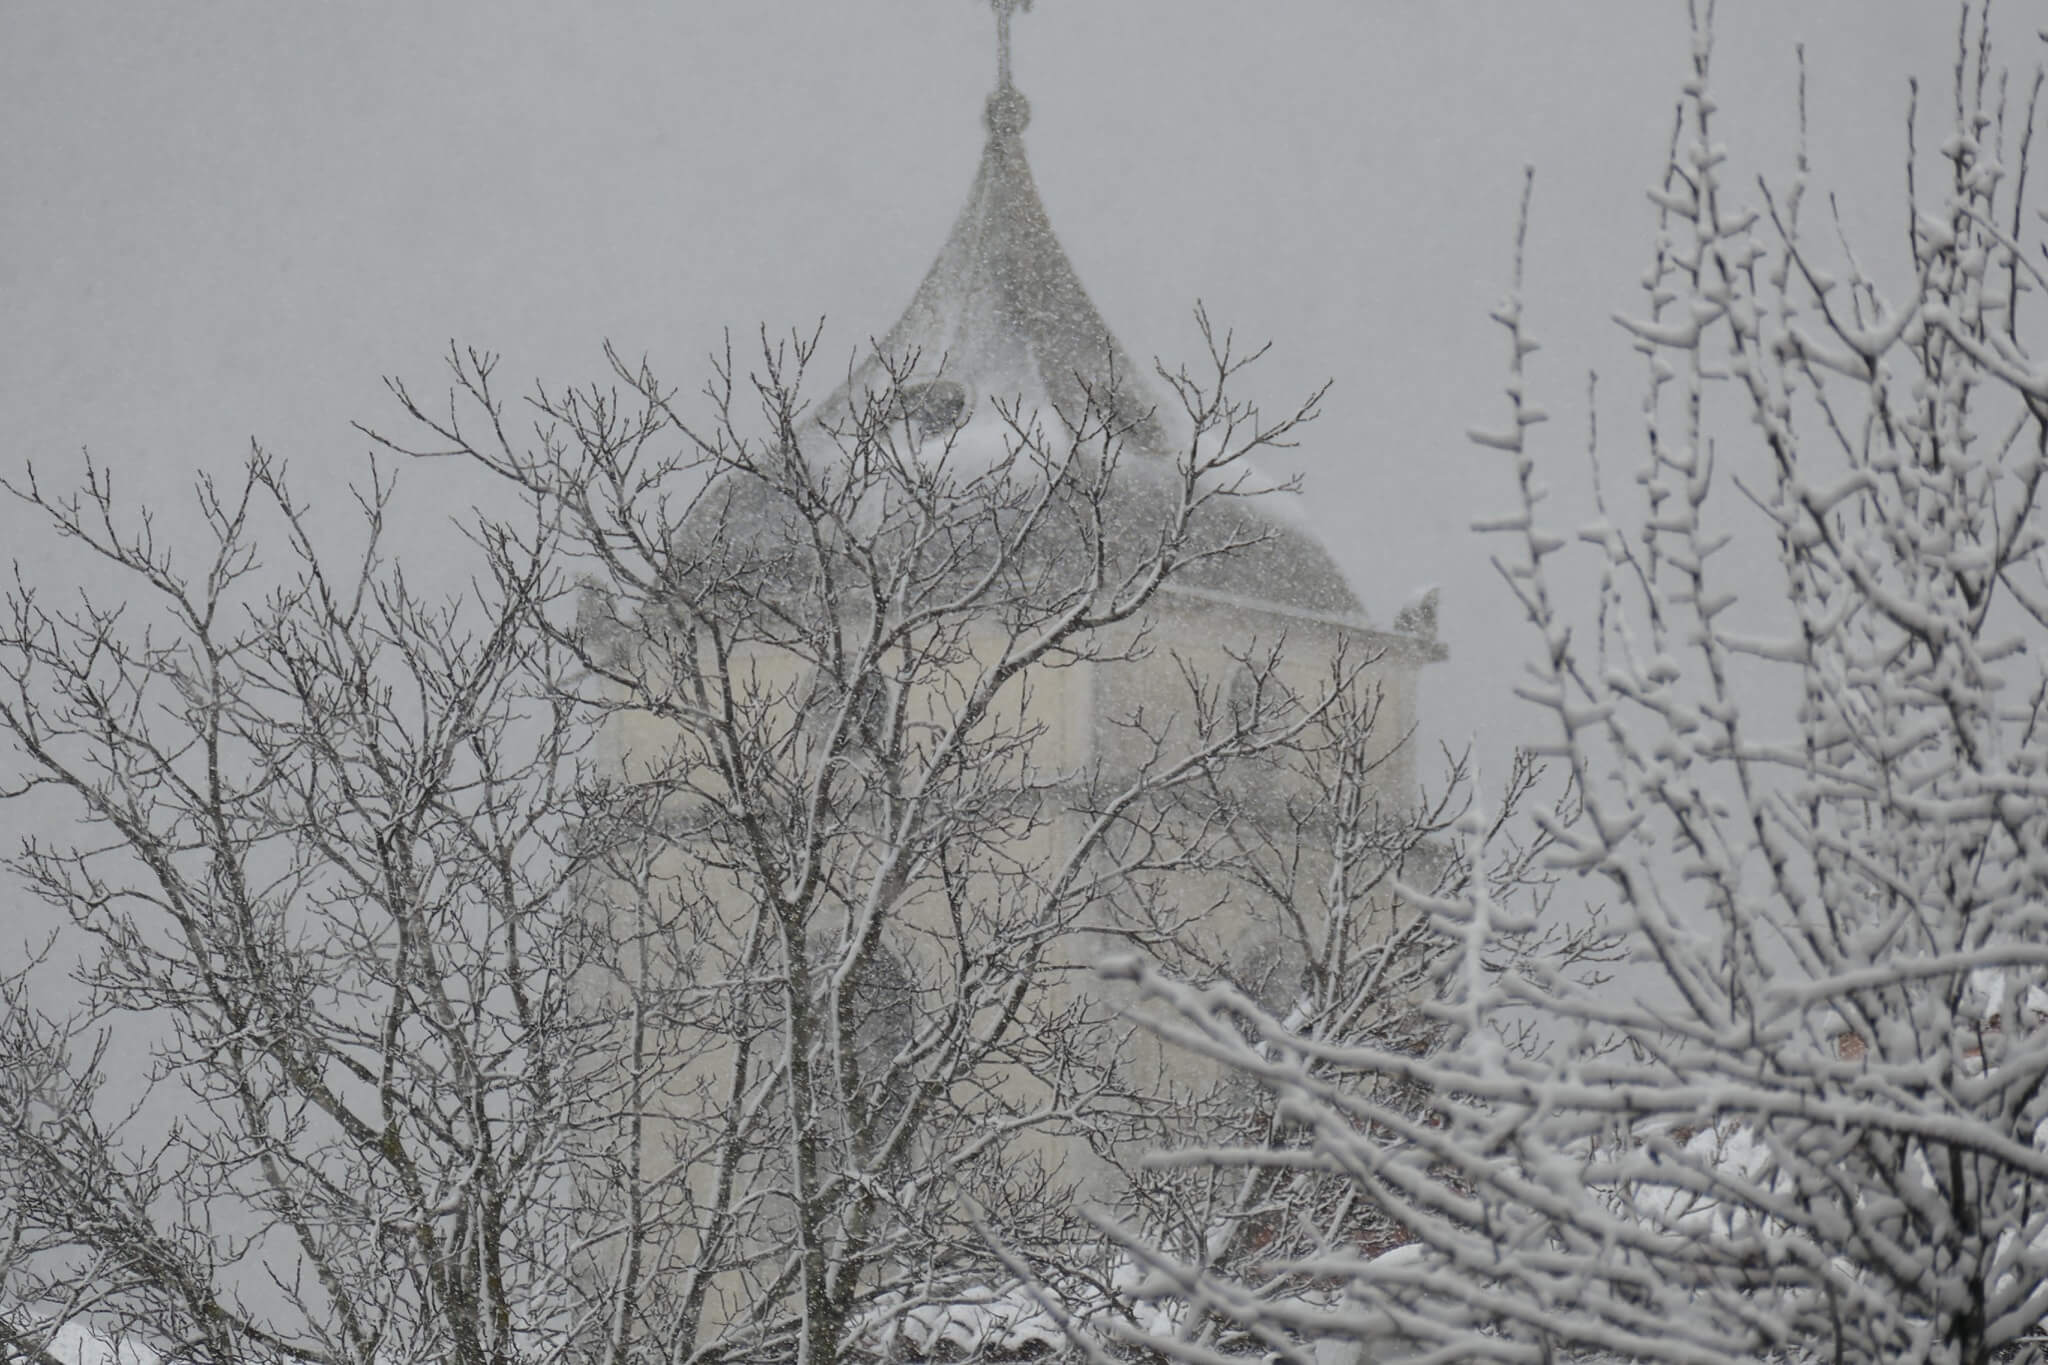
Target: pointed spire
[[1002, 331], [1001, 317]]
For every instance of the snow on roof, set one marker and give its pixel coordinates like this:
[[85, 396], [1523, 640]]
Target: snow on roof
[[979, 1321], [1002, 313], [1001, 330], [79, 1343]]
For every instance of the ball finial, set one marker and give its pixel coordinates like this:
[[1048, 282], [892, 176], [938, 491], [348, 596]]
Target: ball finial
[[1007, 112]]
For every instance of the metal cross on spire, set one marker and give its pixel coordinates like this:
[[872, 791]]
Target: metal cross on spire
[[1004, 9]]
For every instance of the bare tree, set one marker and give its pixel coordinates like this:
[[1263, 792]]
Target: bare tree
[[676, 949], [1805, 1121], [323, 830], [844, 667], [1346, 874]]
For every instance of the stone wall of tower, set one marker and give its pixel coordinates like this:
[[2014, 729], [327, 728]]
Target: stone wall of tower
[[1084, 713], [1210, 637]]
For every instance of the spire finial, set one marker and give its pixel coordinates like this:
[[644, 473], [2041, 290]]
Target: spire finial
[[1004, 9], [1008, 111]]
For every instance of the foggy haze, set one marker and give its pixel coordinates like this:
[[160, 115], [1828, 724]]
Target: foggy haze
[[227, 222]]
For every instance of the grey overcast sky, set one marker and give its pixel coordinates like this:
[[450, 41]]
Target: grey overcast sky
[[227, 220]]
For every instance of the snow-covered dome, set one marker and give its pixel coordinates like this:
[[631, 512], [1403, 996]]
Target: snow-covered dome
[[1002, 325], [1001, 331]]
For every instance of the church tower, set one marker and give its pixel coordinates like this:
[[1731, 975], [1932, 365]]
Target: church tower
[[1001, 331], [946, 688]]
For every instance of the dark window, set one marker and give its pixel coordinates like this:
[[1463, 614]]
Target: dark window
[[936, 407]]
